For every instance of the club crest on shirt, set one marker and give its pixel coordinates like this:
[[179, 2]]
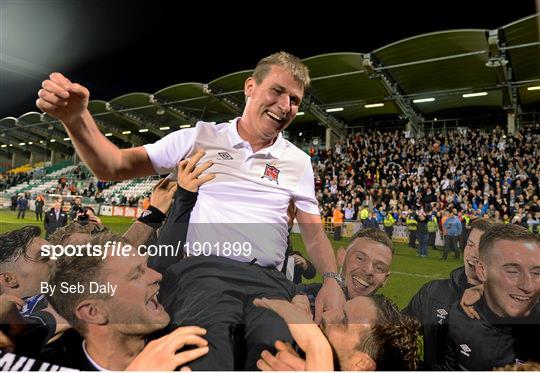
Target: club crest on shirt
[[271, 173]]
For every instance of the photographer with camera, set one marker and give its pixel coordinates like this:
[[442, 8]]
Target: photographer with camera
[[86, 215], [76, 207]]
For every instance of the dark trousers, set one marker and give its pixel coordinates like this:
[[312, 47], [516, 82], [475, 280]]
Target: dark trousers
[[412, 239], [450, 243], [423, 241], [217, 294], [389, 231], [20, 214], [39, 216], [432, 239], [337, 233]]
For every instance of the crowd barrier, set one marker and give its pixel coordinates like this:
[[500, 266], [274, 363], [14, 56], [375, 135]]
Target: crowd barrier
[[349, 229]]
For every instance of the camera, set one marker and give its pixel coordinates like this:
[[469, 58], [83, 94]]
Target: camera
[[83, 218]]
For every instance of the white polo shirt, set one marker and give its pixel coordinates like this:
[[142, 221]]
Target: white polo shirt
[[246, 204]]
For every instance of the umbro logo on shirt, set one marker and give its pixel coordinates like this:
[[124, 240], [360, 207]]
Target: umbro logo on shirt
[[465, 350], [441, 314], [225, 156]]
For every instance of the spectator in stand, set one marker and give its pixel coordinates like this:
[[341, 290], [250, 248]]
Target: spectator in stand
[[349, 212], [452, 226], [422, 233], [433, 227], [338, 222], [459, 171], [38, 206], [14, 199], [22, 206], [371, 222], [55, 219]]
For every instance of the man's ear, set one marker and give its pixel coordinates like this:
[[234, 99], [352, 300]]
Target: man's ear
[[481, 271], [341, 254], [248, 86], [9, 280], [361, 361], [92, 311], [386, 279]]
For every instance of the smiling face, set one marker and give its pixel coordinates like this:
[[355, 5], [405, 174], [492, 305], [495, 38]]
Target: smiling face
[[470, 256], [271, 104], [134, 308], [366, 266], [511, 277]]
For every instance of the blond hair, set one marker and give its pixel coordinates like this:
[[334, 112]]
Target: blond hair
[[286, 60]]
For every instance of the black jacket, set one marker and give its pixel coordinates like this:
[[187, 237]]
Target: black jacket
[[174, 231], [431, 305], [490, 342], [52, 224]]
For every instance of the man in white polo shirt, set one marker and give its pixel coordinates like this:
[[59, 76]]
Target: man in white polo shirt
[[258, 173]]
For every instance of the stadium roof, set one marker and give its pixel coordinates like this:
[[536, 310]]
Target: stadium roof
[[414, 78]]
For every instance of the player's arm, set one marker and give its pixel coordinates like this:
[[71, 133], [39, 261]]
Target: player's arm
[[68, 102], [322, 256]]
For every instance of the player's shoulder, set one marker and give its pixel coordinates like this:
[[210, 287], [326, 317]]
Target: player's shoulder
[[210, 127], [296, 152]]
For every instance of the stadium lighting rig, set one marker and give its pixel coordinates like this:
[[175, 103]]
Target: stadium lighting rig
[[427, 99], [369, 106], [333, 110], [476, 94]]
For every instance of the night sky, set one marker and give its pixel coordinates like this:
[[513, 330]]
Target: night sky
[[117, 47]]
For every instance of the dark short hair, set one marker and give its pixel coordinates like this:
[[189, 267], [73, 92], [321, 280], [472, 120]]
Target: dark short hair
[[482, 224], [499, 232], [15, 243], [373, 234], [394, 340], [79, 269], [62, 235]]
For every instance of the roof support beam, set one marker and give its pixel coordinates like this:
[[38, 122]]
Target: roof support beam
[[140, 120], [13, 144], [178, 113], [311, 104], [46, 134], [29, 143], [32, 133], [377, 71], [106, 127], [228, 100], [499, 61], [26, 137]]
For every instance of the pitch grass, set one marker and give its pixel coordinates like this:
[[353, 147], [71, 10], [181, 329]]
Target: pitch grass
[[409, 272]]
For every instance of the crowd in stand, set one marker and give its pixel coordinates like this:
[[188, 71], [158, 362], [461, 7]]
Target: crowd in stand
[[478, 173], [7, 179]]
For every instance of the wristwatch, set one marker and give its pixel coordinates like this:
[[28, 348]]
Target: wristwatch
[[335, 276]]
